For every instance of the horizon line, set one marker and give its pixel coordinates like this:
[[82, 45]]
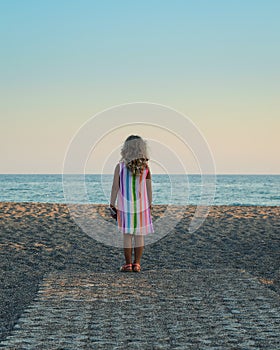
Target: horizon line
[[62, 174]]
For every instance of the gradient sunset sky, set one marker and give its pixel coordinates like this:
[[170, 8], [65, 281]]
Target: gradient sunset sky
[[218, 62]]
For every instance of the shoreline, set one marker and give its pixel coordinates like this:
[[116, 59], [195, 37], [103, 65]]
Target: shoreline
[[158, 204], [38, 238], [42, 209]]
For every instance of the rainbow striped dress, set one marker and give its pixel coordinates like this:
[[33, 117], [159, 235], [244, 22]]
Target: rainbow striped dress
[[134, 215]]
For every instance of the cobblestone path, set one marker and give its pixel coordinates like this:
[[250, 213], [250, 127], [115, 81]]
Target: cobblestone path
[[169, 309]]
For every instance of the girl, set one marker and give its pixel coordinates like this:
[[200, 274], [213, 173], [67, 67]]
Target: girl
[[132, 186]]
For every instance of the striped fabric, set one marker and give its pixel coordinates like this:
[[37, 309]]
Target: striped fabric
[[134, 214]]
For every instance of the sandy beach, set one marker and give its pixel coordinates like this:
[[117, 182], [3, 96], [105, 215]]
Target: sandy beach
[[37, 239]]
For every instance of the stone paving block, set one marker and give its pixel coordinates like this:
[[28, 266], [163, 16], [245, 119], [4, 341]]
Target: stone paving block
[[170, 309]]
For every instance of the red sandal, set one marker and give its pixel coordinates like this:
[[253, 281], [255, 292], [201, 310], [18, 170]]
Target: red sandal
[[126, 268], [136, 267]]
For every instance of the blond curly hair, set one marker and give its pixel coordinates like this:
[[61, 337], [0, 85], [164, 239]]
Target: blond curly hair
[[134, 154]]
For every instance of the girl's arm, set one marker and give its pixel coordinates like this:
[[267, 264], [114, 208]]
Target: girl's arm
[[149, 187], [115, 186]]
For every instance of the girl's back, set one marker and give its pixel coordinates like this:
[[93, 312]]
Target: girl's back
[[133, 204]]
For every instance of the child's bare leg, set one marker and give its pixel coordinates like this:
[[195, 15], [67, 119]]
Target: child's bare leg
[[138, 248], [127, 240]]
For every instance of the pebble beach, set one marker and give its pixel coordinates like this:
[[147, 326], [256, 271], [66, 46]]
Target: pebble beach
[[236, 249]]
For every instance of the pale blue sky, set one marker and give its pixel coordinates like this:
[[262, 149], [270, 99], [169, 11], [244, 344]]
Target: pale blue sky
[[216, 61]]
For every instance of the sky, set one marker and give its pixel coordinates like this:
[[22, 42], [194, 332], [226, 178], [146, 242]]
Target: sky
[[217, 62]]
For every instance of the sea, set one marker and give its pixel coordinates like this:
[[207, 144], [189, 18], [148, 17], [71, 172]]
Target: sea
[[261, 190]]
